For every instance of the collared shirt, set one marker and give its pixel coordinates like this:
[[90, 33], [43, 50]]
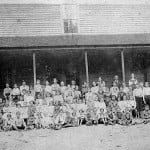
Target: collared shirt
[[24, 87], [15, 91], [138, 92], [7, 91]]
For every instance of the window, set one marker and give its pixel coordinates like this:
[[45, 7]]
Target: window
[[70, 18]]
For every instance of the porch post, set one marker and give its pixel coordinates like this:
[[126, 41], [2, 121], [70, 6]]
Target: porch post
[[34, 68], [123, 66], [86, 68]]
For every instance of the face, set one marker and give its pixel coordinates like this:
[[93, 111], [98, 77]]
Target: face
[[55, 80], [94, 84], [73, 82], [116, 77], [23, 83], [38, 81], [77, 88], [15, 85], [146, 107], [62, 83], [146, 84], [47, 83], [141, 84], [132, 75], [7, 85]]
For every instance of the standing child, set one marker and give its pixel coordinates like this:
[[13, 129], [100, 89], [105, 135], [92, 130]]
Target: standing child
[[15, 93], [38, 88]]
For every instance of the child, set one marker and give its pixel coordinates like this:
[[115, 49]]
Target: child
[[102, 116], [81, 117], [9, 123], [39, 100], [38, 88], [1, 121], [47, 90], [114, 90], [58, 98], [121, 94], [24, 87], [77, 93], [69, 98], [146, 114], [28, 97], [19, 122], [55, 86], [49, 99], [38, 120], [31, 115], [15, 93], [7, 92], [126, 118]]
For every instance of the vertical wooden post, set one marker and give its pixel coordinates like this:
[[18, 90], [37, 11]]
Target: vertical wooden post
[[123, 66], [34, 68], [86, 68]]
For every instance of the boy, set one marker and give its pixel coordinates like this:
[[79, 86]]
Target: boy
[[19, 122], [55, 86]]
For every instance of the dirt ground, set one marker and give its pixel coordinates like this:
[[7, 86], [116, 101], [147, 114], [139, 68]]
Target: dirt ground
[[102, 137]]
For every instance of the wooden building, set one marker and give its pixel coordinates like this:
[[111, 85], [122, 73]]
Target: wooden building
[[74, 40]]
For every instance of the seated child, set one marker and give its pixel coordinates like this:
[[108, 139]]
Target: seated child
[[58, 98], [19, 122], [146, 114], [90, 117], [102, 116], [31, 115], [121, 94], [9, 123], [28, 97], [81, 116], [59, 120], [126, 118], [69, 98], [49, 99], [38, 120], [39, 100]]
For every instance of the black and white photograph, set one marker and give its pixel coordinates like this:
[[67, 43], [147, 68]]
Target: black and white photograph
[[74, 75]]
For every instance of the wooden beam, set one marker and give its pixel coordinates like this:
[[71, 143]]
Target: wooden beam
[[86, 68], [123, 66]]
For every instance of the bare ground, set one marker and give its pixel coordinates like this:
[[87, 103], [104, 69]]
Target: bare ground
[[99, 137]]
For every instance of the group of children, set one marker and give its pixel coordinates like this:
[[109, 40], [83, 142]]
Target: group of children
[[57, 105]]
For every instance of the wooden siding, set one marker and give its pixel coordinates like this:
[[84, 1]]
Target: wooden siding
[[114, 19], [30, 20]]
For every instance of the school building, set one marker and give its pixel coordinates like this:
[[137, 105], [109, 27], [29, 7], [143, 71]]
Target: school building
[[79, 40]]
